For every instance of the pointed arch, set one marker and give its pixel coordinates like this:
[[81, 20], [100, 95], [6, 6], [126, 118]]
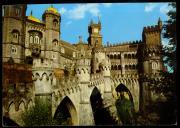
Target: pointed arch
[[66, 111]]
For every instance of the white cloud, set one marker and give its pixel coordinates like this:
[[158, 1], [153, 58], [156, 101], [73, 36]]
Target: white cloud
[[164, 8], [68, 23], [107, 4], [80, 10], [62, 10], [150, 7]]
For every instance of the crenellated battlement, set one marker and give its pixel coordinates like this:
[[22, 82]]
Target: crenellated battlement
[[46, 76], [83, 62], [124, 75], [42, 63], [151, 29], [123, 43], [96, 76]]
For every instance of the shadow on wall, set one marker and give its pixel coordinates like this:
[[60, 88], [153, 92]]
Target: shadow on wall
[[9, 122]]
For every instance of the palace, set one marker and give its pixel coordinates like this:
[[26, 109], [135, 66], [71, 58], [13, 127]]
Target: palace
[[37, 63]]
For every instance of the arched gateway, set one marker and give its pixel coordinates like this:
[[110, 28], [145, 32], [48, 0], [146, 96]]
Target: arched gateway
[[66, 113]]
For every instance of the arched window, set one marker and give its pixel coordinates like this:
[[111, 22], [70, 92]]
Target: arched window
[[115, 56], [15, 36], [55, 22], [54, 56], [126, 67], [31, 39], [119, 67], [55, 42], [133, 67], [3, 11], [119, 56], [112, 67], [133, 56], [13, 50], [116, 67], [62, 50], [155, 65], [111, 56], [129, 56], [125, 56], [37, 39], [17, 11], [130, 67], [74, 54]]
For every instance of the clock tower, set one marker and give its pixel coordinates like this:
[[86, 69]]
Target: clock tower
[[95, 37]]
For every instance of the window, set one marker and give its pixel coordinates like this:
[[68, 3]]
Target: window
[[35, 37], [55, 23], [31, 39], [17, 11], [154, 65], [15, 36], [54, 56], [55, 42], [74, 54], [13, 50], [3, 11], [62, 50]]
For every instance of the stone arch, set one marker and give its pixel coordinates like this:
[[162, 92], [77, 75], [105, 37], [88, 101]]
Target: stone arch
[[111, 56], [126, 67], [44, 75], [101, 117], [126, 89], [21, 105], [29, 104], [129, 56], [119, 67], [11, 107], [66, 111]]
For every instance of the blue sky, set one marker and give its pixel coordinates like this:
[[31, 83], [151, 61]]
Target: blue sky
[[121, 22]]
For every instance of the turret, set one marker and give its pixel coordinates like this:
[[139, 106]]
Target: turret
[[152, 49], [83, 69], [95, 37], [14, 32], [52, 20]]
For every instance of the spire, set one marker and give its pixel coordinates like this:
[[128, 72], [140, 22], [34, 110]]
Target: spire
[[99, 21], [91, 22], [80, 39], [160, 23], [31, 13]]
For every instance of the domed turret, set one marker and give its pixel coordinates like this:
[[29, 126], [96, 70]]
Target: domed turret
[[52, 9], [32, 18]]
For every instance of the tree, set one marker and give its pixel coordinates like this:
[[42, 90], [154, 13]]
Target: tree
[[167, 85], [37, 115]]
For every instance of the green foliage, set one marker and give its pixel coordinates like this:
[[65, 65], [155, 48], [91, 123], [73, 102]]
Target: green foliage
[[171, 35], [37, 115], [167, 85], [125, 110]]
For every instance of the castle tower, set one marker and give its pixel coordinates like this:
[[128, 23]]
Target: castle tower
[[152, 58], [52, 19], [83, 74], [152, 61], [14, 32], [42, 80], [95, 37]]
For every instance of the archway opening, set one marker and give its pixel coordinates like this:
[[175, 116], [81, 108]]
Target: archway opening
[[125, 105], [66, 113], [100, 113]]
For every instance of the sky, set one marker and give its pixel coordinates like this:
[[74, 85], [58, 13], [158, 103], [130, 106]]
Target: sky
[[121, 22]]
